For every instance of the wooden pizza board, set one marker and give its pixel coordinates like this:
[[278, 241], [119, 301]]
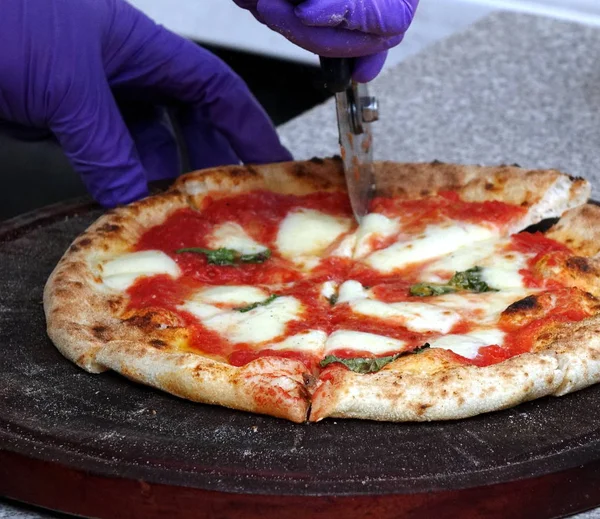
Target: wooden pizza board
[[101, 446]]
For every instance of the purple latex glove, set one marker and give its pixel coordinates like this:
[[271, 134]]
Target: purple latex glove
[[340, 28], [63, 61]]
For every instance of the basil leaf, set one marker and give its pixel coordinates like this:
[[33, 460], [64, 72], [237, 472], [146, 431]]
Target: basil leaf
[[259, 257], [257, 304], [333, 299], [466, 281], [368, 365], [223, 256], [470, 280], [421, 349], [430, 289], [361, 365]]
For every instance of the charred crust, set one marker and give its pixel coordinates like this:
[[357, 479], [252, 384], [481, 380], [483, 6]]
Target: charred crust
[[437, 162], [317, 160], [489, 186], [158, 344], [101, 332], [109, 227], [525, 304], [241, 172], [579, 264], [252, 171]]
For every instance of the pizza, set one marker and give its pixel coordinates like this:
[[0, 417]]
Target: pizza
[[252, 287]]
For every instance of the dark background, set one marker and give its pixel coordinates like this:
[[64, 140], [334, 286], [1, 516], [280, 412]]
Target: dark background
[[36, 173]]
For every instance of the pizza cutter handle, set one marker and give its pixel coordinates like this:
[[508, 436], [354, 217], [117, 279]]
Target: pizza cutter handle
[[337, 72]]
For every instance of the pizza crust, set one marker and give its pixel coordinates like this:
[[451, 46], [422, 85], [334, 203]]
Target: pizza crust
[[458, 391]]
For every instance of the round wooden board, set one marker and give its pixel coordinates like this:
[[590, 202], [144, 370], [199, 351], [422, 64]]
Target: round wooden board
[[101, 446]]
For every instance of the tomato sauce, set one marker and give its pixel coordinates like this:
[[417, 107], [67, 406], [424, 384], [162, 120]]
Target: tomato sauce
[[446, 205]]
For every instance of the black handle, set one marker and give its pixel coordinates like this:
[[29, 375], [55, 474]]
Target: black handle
[[337, 72]]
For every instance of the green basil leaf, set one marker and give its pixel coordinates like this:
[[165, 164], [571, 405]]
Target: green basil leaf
[[259, 257], [466, 281], [333, 299], [371, 364], [257, 304], [421, 349], [361, 365], [470, 280], [223, 256], [430, 289]]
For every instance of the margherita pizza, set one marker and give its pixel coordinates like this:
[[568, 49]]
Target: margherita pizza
[[254, 288]]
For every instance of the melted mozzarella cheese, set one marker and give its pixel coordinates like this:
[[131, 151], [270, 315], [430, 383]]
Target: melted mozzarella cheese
[[361, 341], [230, 235], [417, 317], [500, 267], [233, 294], [484, 308], [328, 289], [345, 248], [307, 232], [373, 225], [435, 241], [263, 323], [467, 345], [200, 309], [121, 272], [351, 290], [310, 341]]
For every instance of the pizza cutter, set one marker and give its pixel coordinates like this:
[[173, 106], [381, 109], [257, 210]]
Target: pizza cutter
[[355, 110]]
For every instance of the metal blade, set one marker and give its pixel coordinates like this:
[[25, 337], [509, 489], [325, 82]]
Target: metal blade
[[356, 150]]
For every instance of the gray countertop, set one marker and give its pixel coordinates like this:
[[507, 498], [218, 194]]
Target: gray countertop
[[513, 88]]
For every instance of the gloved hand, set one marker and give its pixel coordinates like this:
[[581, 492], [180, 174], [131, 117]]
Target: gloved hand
[[62, 61], [340, 28]]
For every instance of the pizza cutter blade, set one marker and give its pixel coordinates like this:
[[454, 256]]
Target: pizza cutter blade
[[355, 110]]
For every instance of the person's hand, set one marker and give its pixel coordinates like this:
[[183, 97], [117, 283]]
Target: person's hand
[[363, 29], [63, 61]]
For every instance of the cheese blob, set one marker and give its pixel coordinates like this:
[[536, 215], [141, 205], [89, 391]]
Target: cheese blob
[[362, 341], [351, 290], [310, 341], [263, 323], [468, 345], [500, 266], [306, 233], [435, 241], [230, 235], [121, 272], [373, 226], [417, 317]]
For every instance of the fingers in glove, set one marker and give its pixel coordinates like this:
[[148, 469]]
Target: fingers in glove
[[205, 145], [330, 42], [154, 137], [377, 17], [91, 131], [150, 57], [368, 67]]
